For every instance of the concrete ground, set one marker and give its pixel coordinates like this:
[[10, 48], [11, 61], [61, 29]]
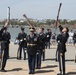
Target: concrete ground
[[49, 66]]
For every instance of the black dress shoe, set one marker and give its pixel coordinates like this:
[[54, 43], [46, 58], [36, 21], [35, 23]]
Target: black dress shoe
[[56, 60], [3, 70], [24, 58], [36, 67], [43, 59], [18, 58], [30, 72]]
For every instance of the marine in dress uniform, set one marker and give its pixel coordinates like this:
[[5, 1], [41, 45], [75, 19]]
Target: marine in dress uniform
[[22, 43], [43, 53], [6, 39], [4, 55], [5, 46], [41, 47], [62, 39], [74, 37], [32, 47], [48, 37]]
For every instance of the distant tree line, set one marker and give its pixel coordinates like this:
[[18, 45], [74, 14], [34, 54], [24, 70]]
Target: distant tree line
[[47, 22]]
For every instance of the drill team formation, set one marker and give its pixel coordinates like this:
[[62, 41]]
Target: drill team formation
[[35, 43]]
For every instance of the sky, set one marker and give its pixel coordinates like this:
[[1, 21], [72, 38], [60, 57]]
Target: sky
[[38, 9]]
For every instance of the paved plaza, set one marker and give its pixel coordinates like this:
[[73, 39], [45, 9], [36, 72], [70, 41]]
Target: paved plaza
[[49, 66]]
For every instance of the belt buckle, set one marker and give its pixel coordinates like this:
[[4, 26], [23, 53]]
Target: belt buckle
[[31, 44]]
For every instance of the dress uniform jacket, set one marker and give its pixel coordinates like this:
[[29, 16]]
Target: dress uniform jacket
[[32, 44], [5, 57], [22, 38], [6, 37], [62, 39], [42, 40], [1, 31], [48, 36]]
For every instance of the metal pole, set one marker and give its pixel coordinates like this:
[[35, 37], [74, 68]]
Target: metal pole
[[8, 17]]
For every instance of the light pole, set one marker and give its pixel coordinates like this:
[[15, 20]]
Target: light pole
[[8, 15]]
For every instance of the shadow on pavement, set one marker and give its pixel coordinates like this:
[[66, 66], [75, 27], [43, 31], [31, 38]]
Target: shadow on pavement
[[44, 71], [52, 59], [16, 69], [49, 66], [71, 73], [69, 60], [16, 58]]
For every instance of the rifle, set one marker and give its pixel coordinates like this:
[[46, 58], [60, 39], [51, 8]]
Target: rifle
[[61, 62], [1, 53], [58, 14], [28, 21], [57, 22], [75, 58], [18, 53]]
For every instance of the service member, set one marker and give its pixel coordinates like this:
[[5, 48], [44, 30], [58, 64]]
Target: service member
[[48, 37], [62, 39], [43, 53], [74, 37], [22, 43], [41, 47], [4, 55], [6, 40], [32, 47]]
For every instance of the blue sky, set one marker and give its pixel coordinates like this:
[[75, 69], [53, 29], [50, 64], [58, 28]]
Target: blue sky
[[38, 9]]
